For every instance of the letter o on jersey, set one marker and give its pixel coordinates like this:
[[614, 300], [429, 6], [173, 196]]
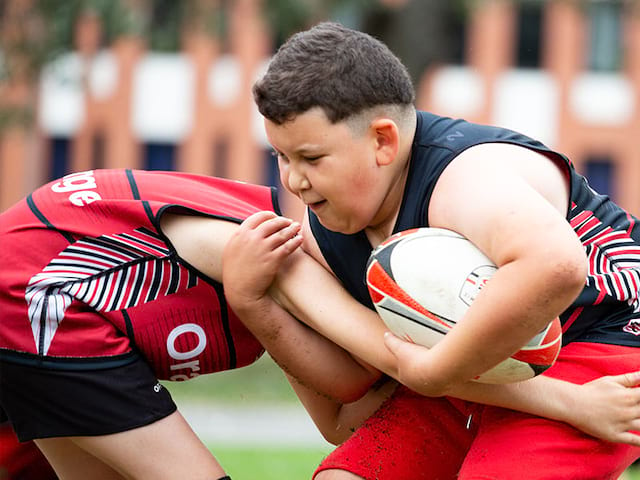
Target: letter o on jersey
[[180, 330]]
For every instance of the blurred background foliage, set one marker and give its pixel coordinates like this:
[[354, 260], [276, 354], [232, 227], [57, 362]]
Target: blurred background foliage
[[37, 31]]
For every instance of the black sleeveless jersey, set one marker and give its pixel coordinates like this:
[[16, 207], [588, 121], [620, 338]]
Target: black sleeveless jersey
[[607, 310]]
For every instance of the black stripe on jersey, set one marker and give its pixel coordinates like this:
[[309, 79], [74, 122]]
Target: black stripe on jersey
[[150, 233], [43, 320], [142, 242], [39, 215], [175, 276], [147, 209], [224, 320], [132, 184], [125, 246], [93, 255], [611, 287], [193, 279], [121, 279], [76, 265], [626, 285], [142, 271], [152, 294], [103, 282], [627, 280], [109, 244], [129, 326], [84, 288]]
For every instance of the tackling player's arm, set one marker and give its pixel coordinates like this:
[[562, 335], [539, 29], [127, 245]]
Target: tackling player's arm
[[336, 421], [202, 241]]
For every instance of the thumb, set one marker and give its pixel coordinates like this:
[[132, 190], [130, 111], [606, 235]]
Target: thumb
[[399, 347], [392, 343]]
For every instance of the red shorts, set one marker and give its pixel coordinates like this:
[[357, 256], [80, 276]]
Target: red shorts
[[431, 438], [21, 461]]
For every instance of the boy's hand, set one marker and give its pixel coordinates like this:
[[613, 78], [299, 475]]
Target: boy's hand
[[254, 254], [413, 367]]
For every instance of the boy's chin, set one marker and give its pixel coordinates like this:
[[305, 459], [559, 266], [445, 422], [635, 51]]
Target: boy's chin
[[340, 227]]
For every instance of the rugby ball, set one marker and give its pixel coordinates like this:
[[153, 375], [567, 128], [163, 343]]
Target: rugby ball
[[422, 281]]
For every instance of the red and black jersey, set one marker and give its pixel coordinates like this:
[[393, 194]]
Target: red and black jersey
[[89, 280]]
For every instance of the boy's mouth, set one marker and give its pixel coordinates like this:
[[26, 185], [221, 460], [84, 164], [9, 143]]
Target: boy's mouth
[[316, 205]]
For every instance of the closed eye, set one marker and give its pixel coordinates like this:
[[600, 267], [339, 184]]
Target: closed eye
[[280, 156]]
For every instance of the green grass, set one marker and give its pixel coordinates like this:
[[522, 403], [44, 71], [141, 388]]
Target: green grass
[[632, 474], [269, 464], [289, 464], [259, 383]]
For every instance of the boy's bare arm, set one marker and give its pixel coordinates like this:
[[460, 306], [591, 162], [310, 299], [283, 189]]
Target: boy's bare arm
[[514, 209]]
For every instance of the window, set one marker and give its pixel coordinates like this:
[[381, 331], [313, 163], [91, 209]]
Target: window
[[98, 147], [604, 35], [159, 156], [59, 157], [221, 158], [600, 172], [529, 34]]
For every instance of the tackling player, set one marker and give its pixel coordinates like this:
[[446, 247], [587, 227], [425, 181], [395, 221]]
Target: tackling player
[[112, 280]]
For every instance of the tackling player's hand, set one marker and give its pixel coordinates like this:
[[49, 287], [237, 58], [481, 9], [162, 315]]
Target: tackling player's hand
[[254, 254], [609, 408]]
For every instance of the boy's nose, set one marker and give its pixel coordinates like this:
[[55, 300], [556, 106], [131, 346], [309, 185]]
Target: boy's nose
[[297, 181]]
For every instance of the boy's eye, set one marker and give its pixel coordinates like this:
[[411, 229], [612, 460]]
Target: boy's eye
[[280, 156], [311, 158]]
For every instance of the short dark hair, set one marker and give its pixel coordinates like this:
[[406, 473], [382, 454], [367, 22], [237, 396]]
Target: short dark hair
[[340, 70]]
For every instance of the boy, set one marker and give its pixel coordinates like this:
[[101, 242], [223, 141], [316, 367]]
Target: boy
[[112, 280], [338, 108]]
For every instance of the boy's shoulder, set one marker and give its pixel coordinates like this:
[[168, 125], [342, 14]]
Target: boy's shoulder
[[456, 135]]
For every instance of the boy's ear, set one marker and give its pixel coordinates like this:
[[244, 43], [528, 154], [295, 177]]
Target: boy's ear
[[387, 140]]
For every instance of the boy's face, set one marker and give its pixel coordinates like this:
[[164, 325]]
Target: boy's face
[[331, 168]]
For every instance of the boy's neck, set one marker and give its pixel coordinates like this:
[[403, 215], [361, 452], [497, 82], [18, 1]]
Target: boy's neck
[[388, 214]]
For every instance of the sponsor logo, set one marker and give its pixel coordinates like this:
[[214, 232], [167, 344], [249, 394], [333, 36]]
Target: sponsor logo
[[454, 136], [475, 282], [82, 186], [633, 327], [186, 359]]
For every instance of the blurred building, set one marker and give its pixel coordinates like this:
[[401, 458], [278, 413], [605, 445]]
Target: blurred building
[[564, 72]]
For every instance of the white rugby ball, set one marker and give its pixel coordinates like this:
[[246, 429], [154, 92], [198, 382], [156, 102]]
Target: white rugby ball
[[422, 282]]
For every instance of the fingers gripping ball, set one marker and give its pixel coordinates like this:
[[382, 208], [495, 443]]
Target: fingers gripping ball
[[422, 281]]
